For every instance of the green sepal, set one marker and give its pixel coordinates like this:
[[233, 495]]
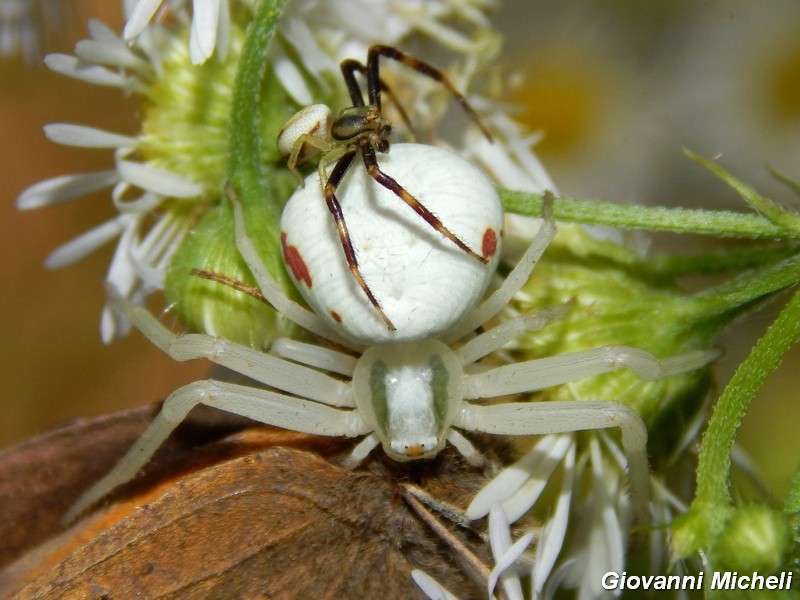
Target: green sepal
[[213, 307]]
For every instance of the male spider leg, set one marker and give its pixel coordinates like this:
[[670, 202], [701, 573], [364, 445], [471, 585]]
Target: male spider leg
[[350, 66], [344, 235], [422, 67], [371, 163], [265, 406], [239, 286]]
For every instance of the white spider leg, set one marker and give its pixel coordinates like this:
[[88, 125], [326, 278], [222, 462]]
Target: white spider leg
[[314, 356], [539, 418], [499, 336], [361, 451], [269, 288], [541, 373], [465, 447], [265, 368], [518, 276], [265, 406]]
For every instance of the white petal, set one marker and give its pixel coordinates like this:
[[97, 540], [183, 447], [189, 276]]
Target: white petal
[[111, 325], [71, 66], [87, 137], [63, 188], [317, 61], [512, 585], [204, 30], [85, 244], [527, 495], [554, 532], [430, 587], [122, 275], [102, 33], [142, 14], [223, 30], [144, 203], [536, 463], [115, 55], [505, 553], [290, 76], [157, 180]]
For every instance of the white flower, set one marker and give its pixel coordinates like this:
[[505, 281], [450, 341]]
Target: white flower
[[138, 187], [210, 28]]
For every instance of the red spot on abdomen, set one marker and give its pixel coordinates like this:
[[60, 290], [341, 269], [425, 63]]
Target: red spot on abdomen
[[336, 316], [293, 260], [489, 243]]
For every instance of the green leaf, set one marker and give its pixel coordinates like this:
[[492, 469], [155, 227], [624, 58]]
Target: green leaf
[[781, 217]]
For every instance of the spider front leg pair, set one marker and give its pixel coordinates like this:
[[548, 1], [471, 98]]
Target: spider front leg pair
[[361, 129]]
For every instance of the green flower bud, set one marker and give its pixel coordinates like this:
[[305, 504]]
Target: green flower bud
[[756, 538]]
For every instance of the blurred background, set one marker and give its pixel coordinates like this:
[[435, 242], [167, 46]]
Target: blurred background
[[618, 88]]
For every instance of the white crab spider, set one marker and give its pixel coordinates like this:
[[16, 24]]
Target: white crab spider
[[411, 398]]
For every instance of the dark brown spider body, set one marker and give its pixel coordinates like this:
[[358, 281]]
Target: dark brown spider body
[[359, 121], [362, 129]]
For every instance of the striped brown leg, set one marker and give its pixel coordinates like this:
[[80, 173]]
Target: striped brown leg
[[350, 66], [371, 163], [344, 236], [373, 79]]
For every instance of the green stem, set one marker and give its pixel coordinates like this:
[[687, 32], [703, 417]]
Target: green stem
[[711, 263], [680, 220], [262, 205], [791, 505], [713, 469]]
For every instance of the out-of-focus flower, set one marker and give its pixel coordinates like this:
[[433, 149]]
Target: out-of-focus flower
[[25, 26], [738, 100]]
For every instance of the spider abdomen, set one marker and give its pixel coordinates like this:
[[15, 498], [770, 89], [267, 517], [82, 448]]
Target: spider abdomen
[[424, 283]]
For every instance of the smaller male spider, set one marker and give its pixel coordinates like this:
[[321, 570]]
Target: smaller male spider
[[411, 398], [362, 129]]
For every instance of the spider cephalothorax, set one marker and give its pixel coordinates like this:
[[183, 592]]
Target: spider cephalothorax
[[362, 130]]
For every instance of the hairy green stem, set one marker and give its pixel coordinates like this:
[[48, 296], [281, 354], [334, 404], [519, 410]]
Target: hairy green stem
[[713, 469], [261, 204], [679, 220]]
